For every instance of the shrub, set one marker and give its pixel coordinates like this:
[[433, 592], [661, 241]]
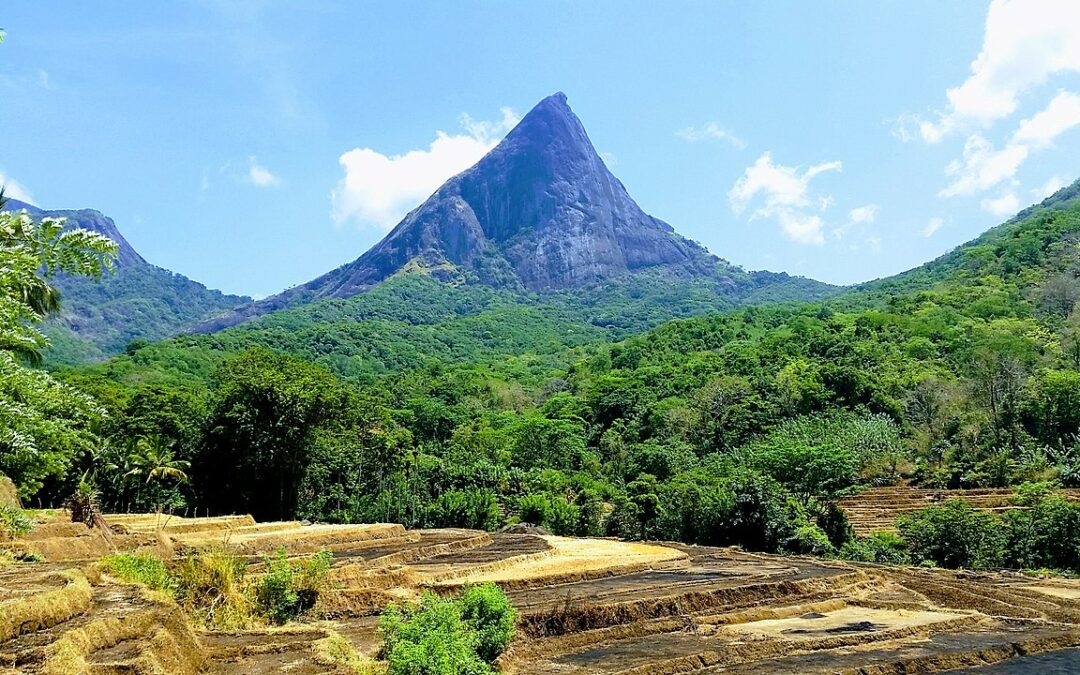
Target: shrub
[[13, 522], [489, 612], [886, 548], [211, 587], [429, 637], [1044, 535], [440, 636], [140, 568], [289, 589], [954, 535], [533, 509]]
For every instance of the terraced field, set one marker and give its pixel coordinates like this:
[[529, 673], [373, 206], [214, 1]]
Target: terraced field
[[587, 606], [876, 509]]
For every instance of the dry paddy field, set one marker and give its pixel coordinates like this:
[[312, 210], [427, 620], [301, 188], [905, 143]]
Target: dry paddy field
[[876, 509], [587, 606]]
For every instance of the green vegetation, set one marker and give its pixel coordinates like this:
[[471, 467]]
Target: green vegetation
[[140, 568], [440, 636], [431, 404], [13, 522], [1044, 535], [217, 590], [288, 589]]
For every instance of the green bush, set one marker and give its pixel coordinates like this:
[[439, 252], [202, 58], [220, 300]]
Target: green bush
[[441, 636], [886, 548], [288, 589], [954, 535], [489, 612], [141, 568], [1046, 534], [13, 522]]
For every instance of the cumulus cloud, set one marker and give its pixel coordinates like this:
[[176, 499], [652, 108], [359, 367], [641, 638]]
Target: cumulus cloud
[[933, 226], [1060, 115], [378, 189], [785, 196], [983, 166], [863, 214], [710, 131], [14, 189], [259, 176], [1005, 205], [1025, 43]]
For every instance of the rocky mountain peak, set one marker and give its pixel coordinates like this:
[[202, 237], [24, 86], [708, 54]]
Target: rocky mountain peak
[[540, 211]]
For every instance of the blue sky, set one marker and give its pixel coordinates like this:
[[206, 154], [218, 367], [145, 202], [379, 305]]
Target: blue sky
[[255, 145]]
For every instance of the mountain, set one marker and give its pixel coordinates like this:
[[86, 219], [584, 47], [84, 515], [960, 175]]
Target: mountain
[[139, 301], [1039, 242], [541, 213]]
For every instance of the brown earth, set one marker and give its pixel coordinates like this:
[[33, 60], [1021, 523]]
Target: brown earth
[[876, 509], [587, 606]]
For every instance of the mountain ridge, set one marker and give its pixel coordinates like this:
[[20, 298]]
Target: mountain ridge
[[539, 212], [138, 301]]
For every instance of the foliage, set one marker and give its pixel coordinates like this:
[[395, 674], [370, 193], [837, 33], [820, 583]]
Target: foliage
[[288, 589], [954, 535], [880, 547], [13, 522], [441, 636], [488, 611], [141, 568]]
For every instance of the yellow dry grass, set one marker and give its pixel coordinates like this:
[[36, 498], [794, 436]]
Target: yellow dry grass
[[337, 652], [37, 612], [9, 494], [1066, 592], [797, 626], [166, 641], [577, 556]]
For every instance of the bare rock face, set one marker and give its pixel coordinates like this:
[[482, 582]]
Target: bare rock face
[[540, 211]]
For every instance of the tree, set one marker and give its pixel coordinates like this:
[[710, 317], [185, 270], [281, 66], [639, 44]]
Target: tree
[[261, 432], [954, 535], [154, 461], [44, 424]]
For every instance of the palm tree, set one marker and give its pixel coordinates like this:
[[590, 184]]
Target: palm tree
[[154, 458]]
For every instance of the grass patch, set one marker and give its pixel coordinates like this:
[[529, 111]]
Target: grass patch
[[140, 568], [216, 590], [337, 652]]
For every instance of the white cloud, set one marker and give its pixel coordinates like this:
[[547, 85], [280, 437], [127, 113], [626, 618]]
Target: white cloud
[[863, 214], [933, 226], [14, 189], [983, 167], [259, 176], [786, 196], [1025, 43], [1005, 205], [1052, 185], [710, 131], [1040, 130], [380, 189]]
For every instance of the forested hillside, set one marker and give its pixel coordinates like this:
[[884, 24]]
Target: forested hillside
[[99, 317], [463, 405]]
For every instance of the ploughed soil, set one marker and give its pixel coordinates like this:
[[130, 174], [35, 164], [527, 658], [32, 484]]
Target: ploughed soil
[[587, 606]]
